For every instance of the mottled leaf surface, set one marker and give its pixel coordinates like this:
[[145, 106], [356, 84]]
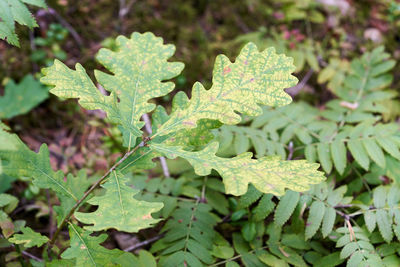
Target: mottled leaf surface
[[87, 251], [139, 66], [118, 209], [254, 78], [268, 175], [29, 238]]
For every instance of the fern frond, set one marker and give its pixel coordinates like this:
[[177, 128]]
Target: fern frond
[[384, 212], [357, 248], [188, 236]]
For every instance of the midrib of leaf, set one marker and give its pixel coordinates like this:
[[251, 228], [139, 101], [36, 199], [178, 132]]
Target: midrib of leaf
[[220, 96], [55, 181], [84, 243], [190, 223], [119, 194], [134, 106], [213, 163]]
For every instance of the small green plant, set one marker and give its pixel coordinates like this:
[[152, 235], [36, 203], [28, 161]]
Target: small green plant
[[19, 99], [139, 70], [50, 46]]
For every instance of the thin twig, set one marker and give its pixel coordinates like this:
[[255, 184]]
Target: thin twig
[[35, 67], [163, 161], [296, 89], [142, 244], [164, 166], [237, 257], [147, 123], [290, 148], [124, 9], [31, 256], [77, 204], [51, 228]]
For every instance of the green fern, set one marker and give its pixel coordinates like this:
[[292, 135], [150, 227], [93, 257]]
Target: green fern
[[188, 236], [357, 247], [324, 207], [86, 250], [384, 212]]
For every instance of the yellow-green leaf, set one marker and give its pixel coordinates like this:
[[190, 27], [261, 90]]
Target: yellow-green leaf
[[254, 78], [29, 238], [87, 251], [139, 65], [118, 209], [268, 175]]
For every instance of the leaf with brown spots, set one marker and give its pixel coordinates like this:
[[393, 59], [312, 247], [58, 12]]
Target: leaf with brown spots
[[254, 78], [118, 209], [29, 238], [139, 64], [268, 175], [87, 251]]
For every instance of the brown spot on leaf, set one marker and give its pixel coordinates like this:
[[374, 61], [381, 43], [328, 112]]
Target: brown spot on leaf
[[146, 217], [227, 69], [188, 123]]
